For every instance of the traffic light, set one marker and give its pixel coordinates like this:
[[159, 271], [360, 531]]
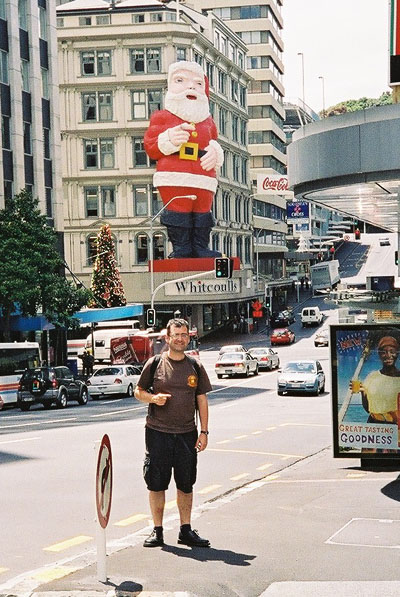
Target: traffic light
[[223, 267], [268, 302], [151, 318], [396, 257]]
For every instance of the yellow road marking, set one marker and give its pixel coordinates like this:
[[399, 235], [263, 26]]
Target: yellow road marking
[[54, 573], [241, 476], [224, 441], [255, 452], [68, 543], [3, 570], [355, 475], [240, 436], [256, 432], [272, 477], [303, 425], [270, 428], [170, 505], [208, 489], [263, 467], [130, 520]]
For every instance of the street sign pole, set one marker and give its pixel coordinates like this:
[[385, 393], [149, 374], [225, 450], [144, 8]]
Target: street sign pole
[[104, 475]]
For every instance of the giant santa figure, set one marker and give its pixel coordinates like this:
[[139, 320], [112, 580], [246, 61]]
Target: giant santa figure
[[182, 139]]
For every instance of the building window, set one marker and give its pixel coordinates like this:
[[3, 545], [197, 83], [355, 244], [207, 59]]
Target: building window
[[140, 157], [197, 57], [49, 202], [223, 119], [3, 10], [140, 200], [4, 67], [22, 15], [158, 246], [45, 83], [224, 168], [46, 143], [97, 106], [215, 241], [222, 82], [145, 102], [235, 91], [170, 16], [142, 248], [237, 209], [99, 153], [103, 20], [210, 73], [247, 251], [5, 132], [27, 138], [235, 167], [100, 202], [85, 21], [8, 189], [239, 247], [235, 127], [180, 54], [60, 22], [242, 96], [226, 206], [156, 17], [25, 75], [91, 248], [145, 60], [243, 132], [96, 63], [42, 23], [138, 18]]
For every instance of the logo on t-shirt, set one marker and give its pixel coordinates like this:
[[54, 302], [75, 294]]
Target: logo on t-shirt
[[192, 381]]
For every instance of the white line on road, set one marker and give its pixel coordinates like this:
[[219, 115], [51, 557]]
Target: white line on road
[[16, 441], [239, 383], [39, 423], [116, 412]]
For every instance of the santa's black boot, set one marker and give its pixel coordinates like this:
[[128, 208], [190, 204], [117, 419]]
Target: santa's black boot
[[179, 228], [202, 225]]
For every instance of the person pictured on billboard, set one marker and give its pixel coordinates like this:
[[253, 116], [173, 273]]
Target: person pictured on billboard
[[380, 389], [182, 139]]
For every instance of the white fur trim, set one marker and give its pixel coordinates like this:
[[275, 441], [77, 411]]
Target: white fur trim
[[165, 145], [193, 67], [185, 179], [220, 152]]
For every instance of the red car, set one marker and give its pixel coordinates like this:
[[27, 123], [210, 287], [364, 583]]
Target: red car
[[282, 336]]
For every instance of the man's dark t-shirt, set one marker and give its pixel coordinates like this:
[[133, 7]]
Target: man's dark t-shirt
[[180, 379]]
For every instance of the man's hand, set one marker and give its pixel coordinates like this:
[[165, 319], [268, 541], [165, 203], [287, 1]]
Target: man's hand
[[160, 399], [202, 442], [209, 160], [180, 134]]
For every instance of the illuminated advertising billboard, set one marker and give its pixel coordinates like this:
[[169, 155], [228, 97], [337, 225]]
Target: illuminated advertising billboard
[[298, 211], [366, 390]]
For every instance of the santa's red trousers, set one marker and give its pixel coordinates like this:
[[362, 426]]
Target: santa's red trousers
[[202, 204]]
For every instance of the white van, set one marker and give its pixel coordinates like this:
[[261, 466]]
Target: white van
[[311, 316], [102, 339]]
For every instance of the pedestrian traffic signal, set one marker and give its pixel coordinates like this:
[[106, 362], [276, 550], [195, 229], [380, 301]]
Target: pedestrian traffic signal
[[151, 318], [396, 257], [223, 267]]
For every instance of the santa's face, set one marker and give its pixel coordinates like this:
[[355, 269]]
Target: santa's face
[[186, 96]]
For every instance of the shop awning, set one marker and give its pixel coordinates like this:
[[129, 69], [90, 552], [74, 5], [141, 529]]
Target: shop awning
[[97, 315]]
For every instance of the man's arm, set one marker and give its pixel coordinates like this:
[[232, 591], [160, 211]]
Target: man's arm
[[202, 404]]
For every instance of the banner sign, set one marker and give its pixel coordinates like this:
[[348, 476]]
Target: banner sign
[[203, 287], [272, 184], [394, 66], [366, 390], [298, 211]]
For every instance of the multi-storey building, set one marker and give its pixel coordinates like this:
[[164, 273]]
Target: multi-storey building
[[113, 63], [260, 26], [30, 134]]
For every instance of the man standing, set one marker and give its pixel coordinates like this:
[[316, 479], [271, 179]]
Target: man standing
[[172, 440]]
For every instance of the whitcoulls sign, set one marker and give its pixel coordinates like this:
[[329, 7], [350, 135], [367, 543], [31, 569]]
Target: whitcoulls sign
[[272, 184]]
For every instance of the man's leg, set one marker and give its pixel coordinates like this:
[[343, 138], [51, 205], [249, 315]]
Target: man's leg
[[184, 502], [157, 503]]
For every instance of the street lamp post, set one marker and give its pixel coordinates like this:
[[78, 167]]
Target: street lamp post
[[192, 198], [323, 94], [302, 76]]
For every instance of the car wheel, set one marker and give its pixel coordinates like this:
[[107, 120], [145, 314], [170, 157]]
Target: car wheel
[[24, 406], [256, 370], [83, 398], [315, 392], [219, 376], [280, 393], [62, 400], [247, 372], [278, 364], [46, 405], [129, 391], [322, 390], [294, 339]]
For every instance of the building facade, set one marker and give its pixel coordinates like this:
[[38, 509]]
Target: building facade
[[113, 63], [30, 133]]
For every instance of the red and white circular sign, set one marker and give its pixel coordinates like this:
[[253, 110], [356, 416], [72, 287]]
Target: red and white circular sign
[[104, 482]]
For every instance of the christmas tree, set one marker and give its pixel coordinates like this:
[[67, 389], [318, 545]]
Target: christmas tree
[[106, 284]]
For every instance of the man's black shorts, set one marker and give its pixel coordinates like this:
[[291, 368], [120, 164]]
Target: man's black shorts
[[167, 451]]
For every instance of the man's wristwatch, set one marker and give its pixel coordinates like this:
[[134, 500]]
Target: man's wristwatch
[[205, 432]]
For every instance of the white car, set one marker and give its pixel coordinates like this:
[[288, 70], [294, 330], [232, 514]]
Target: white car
[[236, 363], [266, 357], [115, 379], [232, 348], [302, 376], [322, 338]]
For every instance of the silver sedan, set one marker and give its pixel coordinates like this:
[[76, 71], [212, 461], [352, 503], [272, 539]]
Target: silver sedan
[[115, 379], [266, 357], [236, 363]]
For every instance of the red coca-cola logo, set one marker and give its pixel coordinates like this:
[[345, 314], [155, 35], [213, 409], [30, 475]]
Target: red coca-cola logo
[[275, 184]]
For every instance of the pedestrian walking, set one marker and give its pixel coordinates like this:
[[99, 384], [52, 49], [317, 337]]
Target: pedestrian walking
[[87, 363], [173, 389]]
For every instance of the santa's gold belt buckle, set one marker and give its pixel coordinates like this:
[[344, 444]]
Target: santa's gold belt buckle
[[189, 151]]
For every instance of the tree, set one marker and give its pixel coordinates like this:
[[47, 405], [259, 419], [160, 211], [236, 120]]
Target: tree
[[360, 104], [31, 268], [106, 284]]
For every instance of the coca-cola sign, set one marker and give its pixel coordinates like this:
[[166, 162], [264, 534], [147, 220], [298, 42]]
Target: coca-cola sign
[[269, 184]]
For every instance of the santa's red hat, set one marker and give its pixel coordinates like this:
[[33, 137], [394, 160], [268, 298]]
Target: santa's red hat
[[193, 67]]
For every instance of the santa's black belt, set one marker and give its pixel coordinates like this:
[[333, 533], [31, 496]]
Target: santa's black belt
[[190, 151]]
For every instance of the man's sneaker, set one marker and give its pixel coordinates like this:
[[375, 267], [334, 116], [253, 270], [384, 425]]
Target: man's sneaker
[[193, 539], [155, 539]]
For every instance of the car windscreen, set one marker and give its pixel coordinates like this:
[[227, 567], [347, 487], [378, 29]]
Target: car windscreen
[[301, 367], [108, 371], [257, 351], [232, 356]]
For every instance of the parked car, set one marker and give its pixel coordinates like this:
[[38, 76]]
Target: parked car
[[282, 319], [282, 336], [236, 363], [50, 385], [115, 379], [322, 338], [311, 316], [232, 348], [302, 376], [266, 357]]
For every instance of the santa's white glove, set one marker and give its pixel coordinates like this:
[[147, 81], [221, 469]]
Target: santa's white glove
[[171, 139], [213, 158]]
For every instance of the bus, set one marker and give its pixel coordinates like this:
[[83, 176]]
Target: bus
[[137, 349], [15, 357]]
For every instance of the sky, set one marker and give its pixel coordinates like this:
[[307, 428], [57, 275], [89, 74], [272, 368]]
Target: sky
[[344, 41]]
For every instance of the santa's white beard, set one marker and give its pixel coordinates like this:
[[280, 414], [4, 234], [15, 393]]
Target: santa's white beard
[[191, 110]]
